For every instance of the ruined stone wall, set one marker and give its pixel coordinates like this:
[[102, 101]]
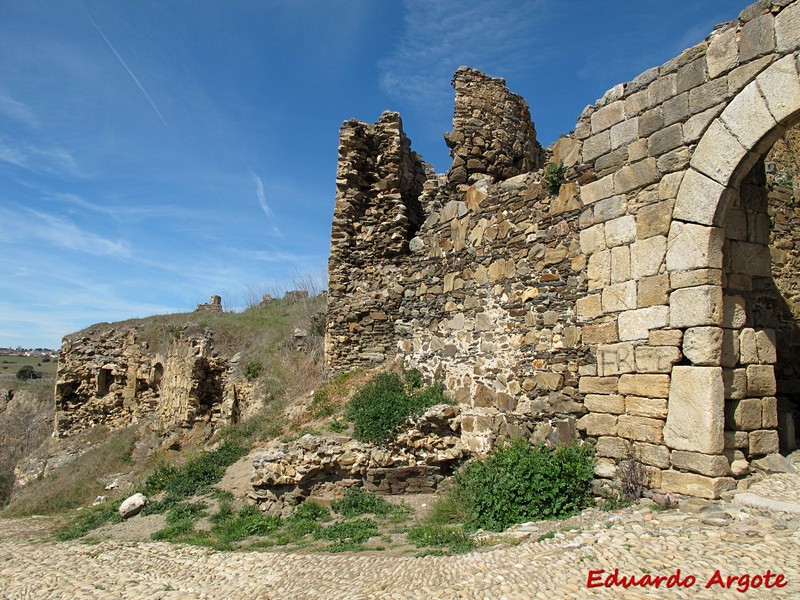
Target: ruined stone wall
[[489, 306], [492, 130], [108, 376], [379, 182], [482, 293], [647, 282]]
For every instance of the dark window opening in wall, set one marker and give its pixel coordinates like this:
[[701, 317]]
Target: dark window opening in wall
[[158, 374]]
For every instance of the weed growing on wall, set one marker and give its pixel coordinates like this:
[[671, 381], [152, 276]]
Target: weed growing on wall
[[384, 404], [553, 177]]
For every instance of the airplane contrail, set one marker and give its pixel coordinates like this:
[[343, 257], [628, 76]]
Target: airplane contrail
[[128, 69]]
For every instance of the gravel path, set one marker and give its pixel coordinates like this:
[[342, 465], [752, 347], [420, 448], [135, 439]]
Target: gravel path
[[698, 538]]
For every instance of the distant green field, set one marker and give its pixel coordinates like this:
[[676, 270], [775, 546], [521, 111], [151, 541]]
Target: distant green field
[[9, 365]]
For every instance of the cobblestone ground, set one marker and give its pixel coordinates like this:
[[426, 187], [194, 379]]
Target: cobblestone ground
[[698, 539]]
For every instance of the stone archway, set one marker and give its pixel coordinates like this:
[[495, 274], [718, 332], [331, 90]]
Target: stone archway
[[727, 359]]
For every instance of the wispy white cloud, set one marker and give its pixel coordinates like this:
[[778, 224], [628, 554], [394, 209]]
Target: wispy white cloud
[[441, 36], [127, 69], [34, 158], [262, 196], [27, 225], [17, 110], [126, 213]]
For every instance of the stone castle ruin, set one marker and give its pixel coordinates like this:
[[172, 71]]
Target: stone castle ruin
[[651, 304]]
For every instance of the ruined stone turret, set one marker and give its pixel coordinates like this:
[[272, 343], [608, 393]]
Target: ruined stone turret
[[492, 130], [378, 184]]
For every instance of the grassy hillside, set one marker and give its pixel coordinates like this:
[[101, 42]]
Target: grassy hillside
[[263, 334], [10, 365]]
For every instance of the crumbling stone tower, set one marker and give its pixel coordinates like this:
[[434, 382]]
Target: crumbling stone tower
[[378, 184], [492, 130]]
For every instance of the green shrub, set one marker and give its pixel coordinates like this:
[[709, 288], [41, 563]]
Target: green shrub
[[356, 531], [27, 372], [356, 502], [253, 369], [312, 511], [91, 519], [383, 405], [456, 540], [196, 476], [554, 175], [521, 483], [231, 527]]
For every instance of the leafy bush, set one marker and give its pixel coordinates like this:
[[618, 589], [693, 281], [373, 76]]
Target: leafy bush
[[312, 511], [521, 483], [90, 519], [27, 372], [455, 539], [554, 175], [194, 477], [383, 405], [356, 502], [230, 527], [253, 369], [356, 531]]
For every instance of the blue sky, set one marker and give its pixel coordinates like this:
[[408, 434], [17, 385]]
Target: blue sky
[[153, 153]]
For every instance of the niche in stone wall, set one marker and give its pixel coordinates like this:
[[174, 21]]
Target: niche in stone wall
[[761, 338], [208, 380], [158, 375], [105, 378]]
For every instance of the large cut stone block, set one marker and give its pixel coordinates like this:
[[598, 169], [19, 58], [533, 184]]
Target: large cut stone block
[[692, 246], [699, 199], [655, 408], [696, 417], [712, 465], [693, 484], [612, 447], [656, 359], [597, 424], [620, 296], [747, 116], [718, 153], [641, 429], [780, 86], [636, 176], [597, 190], [598, 385], [763, 442], [647, 256], [744, 415], [636, 324], [760, 380], [723, 52], [656, 455], [605, 403], [613, 359], [695, 306], [653, 386], [787, 28], [703, 345], [620, 231]]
